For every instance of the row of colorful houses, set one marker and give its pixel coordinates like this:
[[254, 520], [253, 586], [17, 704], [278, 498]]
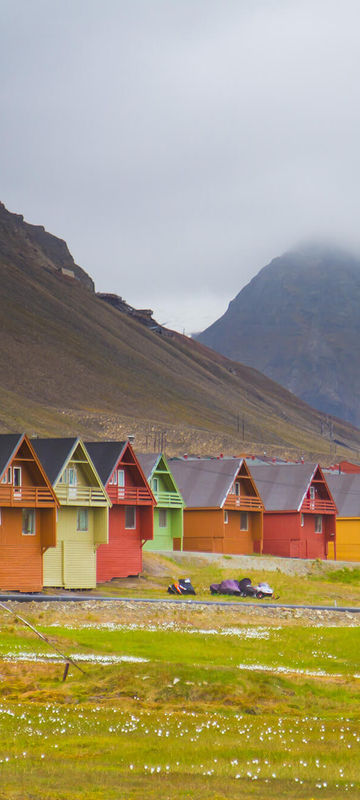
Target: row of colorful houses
[[74, 513]]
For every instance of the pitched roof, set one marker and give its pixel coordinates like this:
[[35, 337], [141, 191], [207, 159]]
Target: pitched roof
[[148, 462], [204, 482], [105, 456], [9, 443], [345, 489], [54, 453], [282, 487]]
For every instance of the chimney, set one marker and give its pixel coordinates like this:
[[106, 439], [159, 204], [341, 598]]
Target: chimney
[[131, 438]]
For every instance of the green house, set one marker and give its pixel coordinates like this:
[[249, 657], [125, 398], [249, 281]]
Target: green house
[[168, 512]]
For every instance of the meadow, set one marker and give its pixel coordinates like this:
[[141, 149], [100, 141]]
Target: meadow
[[181, 700]]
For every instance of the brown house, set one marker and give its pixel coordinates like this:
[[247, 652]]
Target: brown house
[[223, 510], [27, 515]]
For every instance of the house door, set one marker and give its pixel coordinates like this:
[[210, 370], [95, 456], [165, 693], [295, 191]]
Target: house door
[[294, 548]]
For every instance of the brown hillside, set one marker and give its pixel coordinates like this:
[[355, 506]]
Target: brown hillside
[[72, 363]]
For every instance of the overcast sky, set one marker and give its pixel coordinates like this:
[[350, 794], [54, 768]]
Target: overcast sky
[[179, 145]]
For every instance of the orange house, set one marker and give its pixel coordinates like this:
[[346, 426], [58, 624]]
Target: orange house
[[223, 510], [27, 515]]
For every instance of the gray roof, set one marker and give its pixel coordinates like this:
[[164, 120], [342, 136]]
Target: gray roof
[[148, 462], [345, 489], [9, 443], [282, 487], [105, 456], [204, 482], [53, 453]]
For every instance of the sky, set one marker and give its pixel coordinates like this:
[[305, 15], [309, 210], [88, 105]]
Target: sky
[[179, 145]]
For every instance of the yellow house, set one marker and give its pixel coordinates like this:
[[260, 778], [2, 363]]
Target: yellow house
[[83, 516], [345, 489]]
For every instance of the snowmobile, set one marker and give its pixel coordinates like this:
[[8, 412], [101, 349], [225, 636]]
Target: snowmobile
[[182, 586], [242, 588]]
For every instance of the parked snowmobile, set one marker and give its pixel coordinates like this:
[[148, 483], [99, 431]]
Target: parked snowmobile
[[242, 588], [182, 586]]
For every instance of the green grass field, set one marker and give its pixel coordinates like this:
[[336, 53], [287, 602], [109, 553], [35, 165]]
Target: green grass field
[[179, 701]]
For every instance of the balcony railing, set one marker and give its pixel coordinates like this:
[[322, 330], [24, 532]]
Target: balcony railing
[[318, 506], [130, 495], [25, 496], [243, 502], [78, 495], [171, 499]]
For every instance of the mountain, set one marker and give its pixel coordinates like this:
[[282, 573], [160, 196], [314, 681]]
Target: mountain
[[298, 322], [72, 362]]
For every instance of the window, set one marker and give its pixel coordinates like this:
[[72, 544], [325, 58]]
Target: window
[[17, 477], [82, 519], [226, 517], [302, 520], [6, 478], [312, 492], [162, 518], [130, 517], [237, 488], [318, 523], [243, 521], [72, 476], [28, 522], [155, 484]]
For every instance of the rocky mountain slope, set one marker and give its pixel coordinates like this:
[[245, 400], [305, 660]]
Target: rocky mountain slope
[[298, 322], [72, 363]]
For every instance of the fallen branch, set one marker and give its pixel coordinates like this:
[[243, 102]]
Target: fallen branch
[[67, 659]]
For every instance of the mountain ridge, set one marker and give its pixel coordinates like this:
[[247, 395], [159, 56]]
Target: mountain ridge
[[297, 321], [72, 363]]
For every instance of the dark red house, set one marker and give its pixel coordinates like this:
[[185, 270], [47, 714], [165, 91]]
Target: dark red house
[[299, 511], [132, 513]]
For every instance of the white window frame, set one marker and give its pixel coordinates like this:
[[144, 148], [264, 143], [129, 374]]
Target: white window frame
[[17, 486], [226, 517], [72, 472], [163, 518], [133, 526], [82, 524], [237, 488], [155, 484], [302, 520], [312, 493], [30, 512], [242, 515], [318, 523]]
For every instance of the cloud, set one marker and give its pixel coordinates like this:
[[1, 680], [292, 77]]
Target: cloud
[[178, 147]]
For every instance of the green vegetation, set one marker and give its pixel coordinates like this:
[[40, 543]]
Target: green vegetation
[[133, 728], [202, 701]]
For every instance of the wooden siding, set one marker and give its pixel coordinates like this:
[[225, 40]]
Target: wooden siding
[[207, 531], [164, 537], [20, 556], [347, 539], [285, 536], [73, 566], [122, 556]]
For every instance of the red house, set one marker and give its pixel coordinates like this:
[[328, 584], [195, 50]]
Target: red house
[[132, 513], [28, 509], [300, 513]]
